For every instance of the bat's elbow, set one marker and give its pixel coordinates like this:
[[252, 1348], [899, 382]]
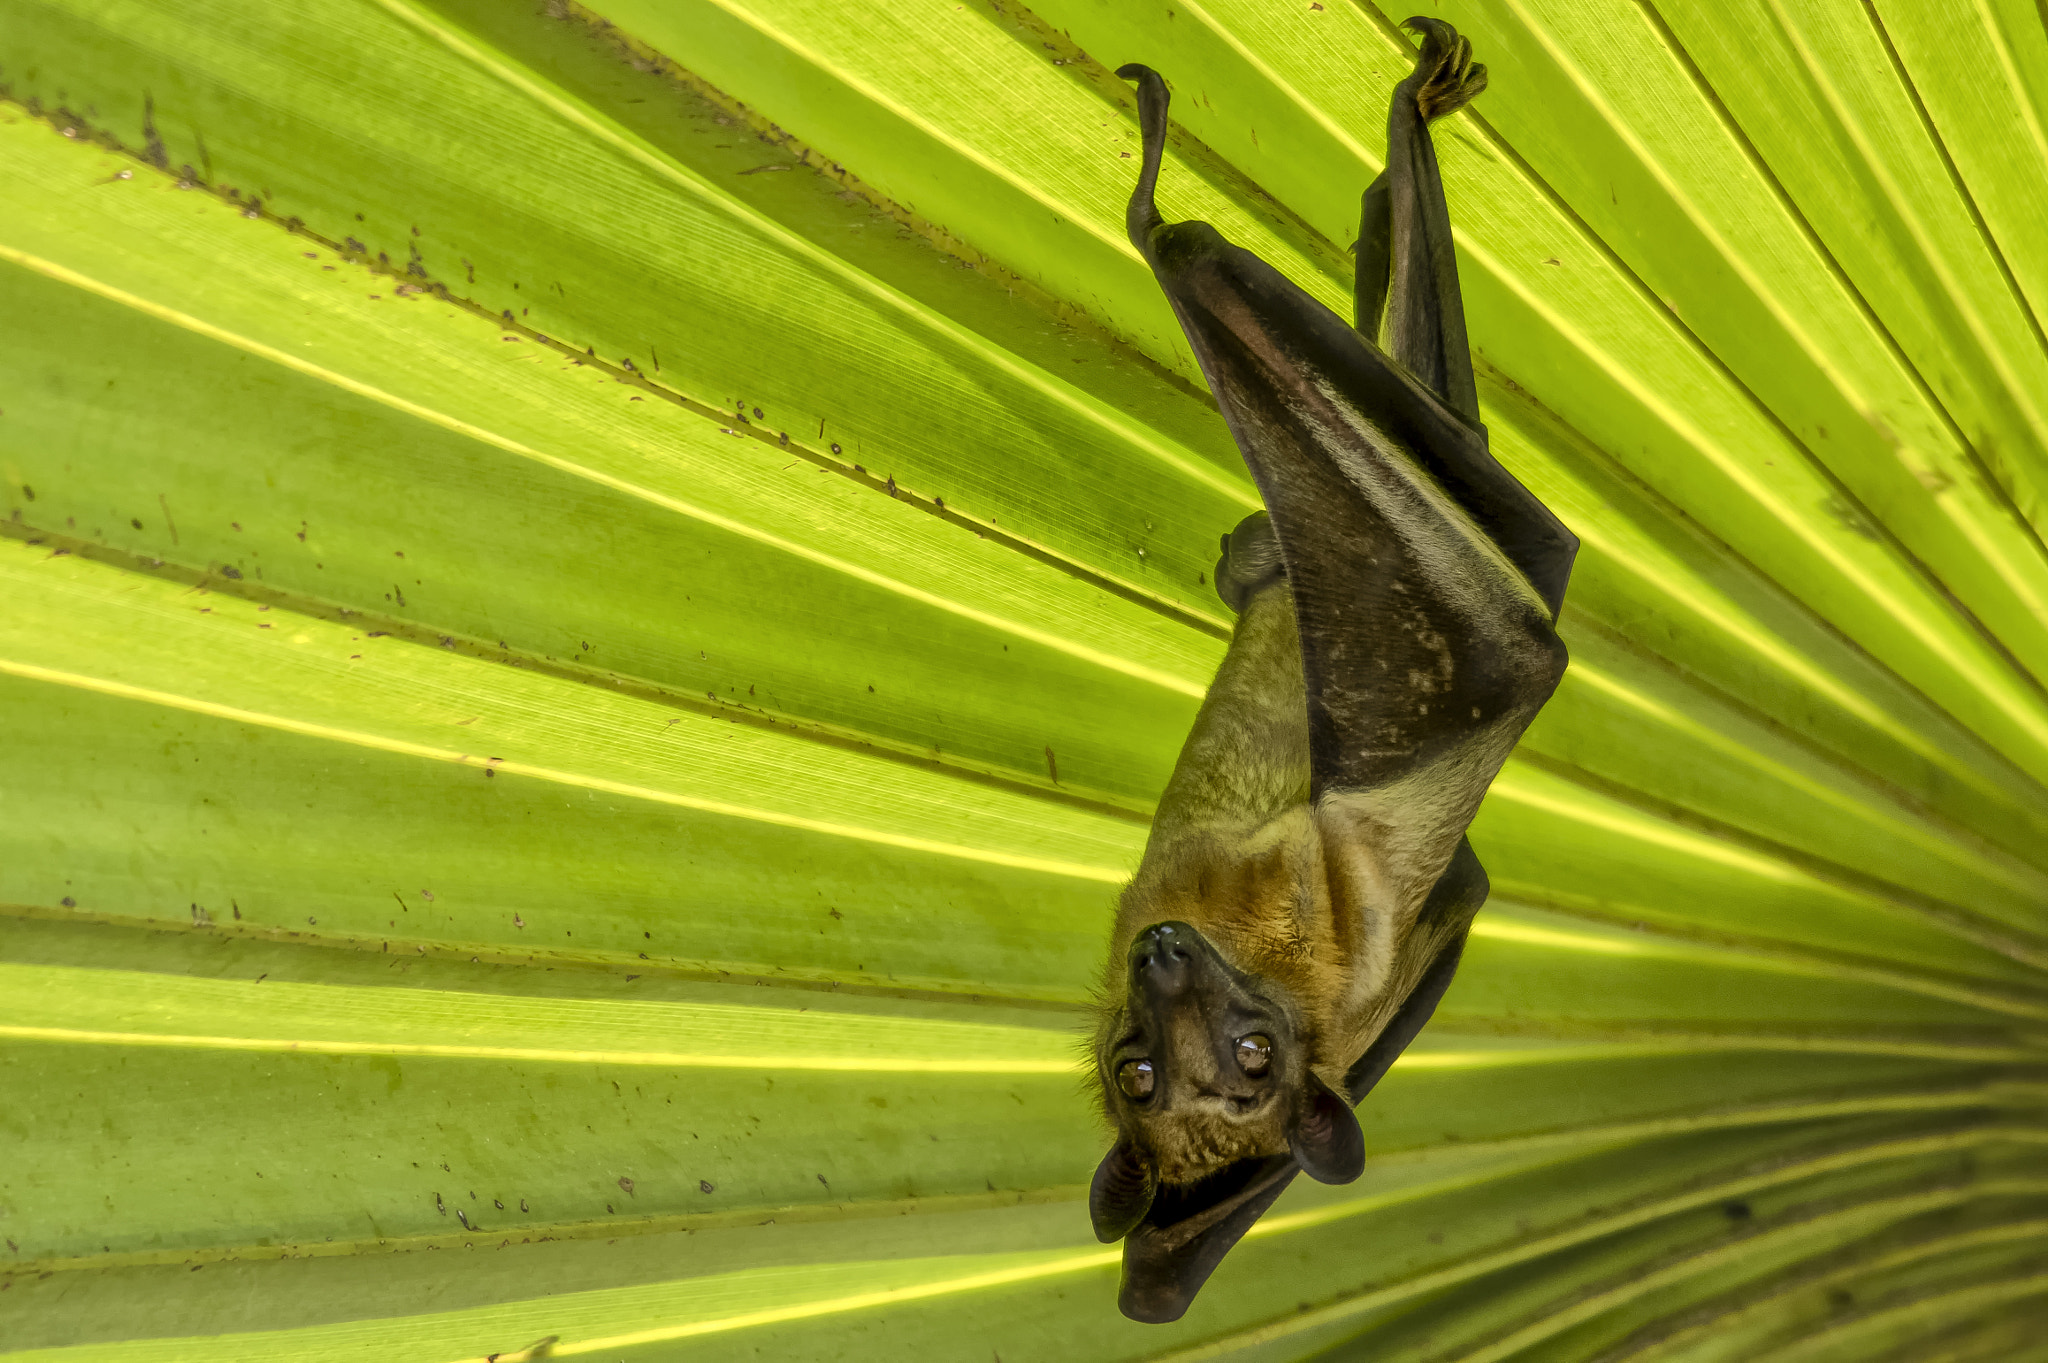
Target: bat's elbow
[[1553, 660], [1539, 663], [1177, 248]]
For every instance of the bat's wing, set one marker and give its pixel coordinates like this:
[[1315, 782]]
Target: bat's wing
[[1426, 582], [1426, 579]]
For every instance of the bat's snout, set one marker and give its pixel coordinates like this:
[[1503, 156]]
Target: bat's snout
[[1164, 960]]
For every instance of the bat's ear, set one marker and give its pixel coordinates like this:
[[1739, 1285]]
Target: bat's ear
[[1125, 1184], [1326, 1141]]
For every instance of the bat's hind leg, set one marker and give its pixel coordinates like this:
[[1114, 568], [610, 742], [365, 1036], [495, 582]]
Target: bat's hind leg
[[1375, 259], [1409, 305], [1444, 81], [1408, 269]]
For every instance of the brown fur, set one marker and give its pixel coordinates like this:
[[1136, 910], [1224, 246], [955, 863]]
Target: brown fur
[[1237, 853], [1292, 895]]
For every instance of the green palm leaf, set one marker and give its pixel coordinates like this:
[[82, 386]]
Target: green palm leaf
[[596, 602]]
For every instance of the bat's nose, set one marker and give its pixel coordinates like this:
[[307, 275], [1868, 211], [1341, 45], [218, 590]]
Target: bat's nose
[[1161, 958]]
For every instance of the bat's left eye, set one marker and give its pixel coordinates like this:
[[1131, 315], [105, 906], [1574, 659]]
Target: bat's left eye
[[1254, 1053], [1134, 1077]]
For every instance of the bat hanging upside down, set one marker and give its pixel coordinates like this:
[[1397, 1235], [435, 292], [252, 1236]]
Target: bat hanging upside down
[[1307, 887]]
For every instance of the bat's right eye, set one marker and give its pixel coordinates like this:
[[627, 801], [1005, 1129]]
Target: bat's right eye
[[1134, 1077]]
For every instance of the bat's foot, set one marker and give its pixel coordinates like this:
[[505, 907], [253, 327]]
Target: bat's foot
[[1250, 562], [1446, 79]]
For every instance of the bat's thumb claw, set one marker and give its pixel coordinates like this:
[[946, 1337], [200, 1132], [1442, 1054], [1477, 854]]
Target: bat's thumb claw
[[1141, 218], [1251, 561]]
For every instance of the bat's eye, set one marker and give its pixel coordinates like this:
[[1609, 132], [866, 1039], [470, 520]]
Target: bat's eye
[[1134, 1077], [1254, 1053]]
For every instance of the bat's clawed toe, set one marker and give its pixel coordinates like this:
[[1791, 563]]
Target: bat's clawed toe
[[1446, 78]]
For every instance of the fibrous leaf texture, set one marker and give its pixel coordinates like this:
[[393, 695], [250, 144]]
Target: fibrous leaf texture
[[595, 602]]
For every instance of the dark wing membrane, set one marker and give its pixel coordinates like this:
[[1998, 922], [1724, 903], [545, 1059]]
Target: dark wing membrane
[[1408, 250], [1413, 556], [1401, 533]]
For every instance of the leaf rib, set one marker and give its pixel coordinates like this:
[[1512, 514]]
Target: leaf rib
[[53, 270]]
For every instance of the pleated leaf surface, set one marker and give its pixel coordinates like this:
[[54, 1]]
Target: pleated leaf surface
[[596, 601]]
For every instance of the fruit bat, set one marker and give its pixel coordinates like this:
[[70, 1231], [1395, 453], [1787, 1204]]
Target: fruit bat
[[1307, 886]]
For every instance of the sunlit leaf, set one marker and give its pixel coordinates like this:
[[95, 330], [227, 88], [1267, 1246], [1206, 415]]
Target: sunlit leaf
[[597, 600]]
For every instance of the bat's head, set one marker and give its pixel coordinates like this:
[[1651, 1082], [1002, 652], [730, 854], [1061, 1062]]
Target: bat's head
[[1209, 1057], [1205, 1068]]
